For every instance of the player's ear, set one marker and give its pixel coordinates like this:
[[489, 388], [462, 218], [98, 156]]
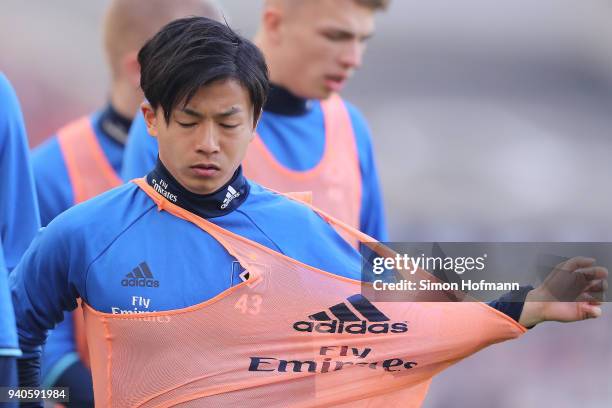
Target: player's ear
[[271, 21], [150, 118], [131, 68]]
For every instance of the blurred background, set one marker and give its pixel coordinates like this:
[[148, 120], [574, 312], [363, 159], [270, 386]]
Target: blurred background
[[490, 120]]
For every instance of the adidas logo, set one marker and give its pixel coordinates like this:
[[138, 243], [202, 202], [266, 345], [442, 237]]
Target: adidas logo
[[229, 196], [140, 276], [347, 320]]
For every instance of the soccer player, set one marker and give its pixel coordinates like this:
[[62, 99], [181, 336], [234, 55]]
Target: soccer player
[[308, 138], [202, 288], [84, 158], [19, 219]]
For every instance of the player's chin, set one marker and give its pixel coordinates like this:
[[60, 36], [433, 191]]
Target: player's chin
[[324, 93], [318, 90]]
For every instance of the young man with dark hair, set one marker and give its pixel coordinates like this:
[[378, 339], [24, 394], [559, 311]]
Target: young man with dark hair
[[201, 288], [85, 157], [308, 138]]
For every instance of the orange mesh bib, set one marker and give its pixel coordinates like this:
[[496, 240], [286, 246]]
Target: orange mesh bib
[[89, 171], [336, 180], [90, 174], [290, 336]]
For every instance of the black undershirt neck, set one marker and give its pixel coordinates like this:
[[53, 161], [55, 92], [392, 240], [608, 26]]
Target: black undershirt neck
[[114, 125], [223, 201], [283, 102]]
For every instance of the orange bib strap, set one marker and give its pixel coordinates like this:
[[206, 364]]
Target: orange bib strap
[[335, 182], [302, 196], [88, 168]]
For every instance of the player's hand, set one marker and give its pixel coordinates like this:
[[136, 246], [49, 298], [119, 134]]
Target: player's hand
[[573, 291]]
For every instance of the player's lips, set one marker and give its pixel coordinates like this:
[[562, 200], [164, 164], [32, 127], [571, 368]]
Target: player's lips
[[205, 169], [336, 82]]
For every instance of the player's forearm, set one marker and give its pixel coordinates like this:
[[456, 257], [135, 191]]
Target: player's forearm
[[512, 303]]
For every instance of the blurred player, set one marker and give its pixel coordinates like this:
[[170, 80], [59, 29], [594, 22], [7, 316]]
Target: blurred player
[[19, 219], [288, 327], [308, 138], [84, 158]]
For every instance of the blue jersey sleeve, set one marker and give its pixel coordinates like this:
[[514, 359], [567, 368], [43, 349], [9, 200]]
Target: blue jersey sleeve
[[372, 219], [8, 334], [140, 150], [19, 218], [46, 282]]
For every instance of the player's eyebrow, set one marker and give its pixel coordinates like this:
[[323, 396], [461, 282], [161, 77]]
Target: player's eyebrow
[[191, 112], [231, 111]]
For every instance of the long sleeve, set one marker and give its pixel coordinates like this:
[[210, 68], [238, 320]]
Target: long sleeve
[[43, 286]]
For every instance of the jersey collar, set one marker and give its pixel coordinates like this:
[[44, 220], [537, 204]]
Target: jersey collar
[[221, 202], [283, 102], [114, 125]]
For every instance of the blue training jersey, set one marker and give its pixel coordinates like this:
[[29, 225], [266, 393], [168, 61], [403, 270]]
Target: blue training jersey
[[19, 219], [55, 196], [121, 255], [296, 139]]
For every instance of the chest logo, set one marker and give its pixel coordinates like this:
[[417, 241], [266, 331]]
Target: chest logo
[[141, 276]]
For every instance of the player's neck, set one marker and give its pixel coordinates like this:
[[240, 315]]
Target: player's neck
[[125, 99]]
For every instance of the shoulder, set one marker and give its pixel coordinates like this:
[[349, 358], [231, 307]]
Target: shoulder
[[45, 155], [266, 201], [7, 92], [357, 119], [138, 132], [301, 233], [48, 158], [277, 212], [360, 126], [361, 130], [11, 119], [100, 220]]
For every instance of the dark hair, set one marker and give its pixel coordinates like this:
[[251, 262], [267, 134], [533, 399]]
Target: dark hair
[[192, 52]]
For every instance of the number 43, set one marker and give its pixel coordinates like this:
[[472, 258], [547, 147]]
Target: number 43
[[250, 304]]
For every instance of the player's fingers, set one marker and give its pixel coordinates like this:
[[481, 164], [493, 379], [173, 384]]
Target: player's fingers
[[589, 297], [590, 311], [577, 262], [599, 285], [593, 272]]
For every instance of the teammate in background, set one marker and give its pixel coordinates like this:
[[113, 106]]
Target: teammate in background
[[308, 139], [218, 335], [19, 219], [85, 157]]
